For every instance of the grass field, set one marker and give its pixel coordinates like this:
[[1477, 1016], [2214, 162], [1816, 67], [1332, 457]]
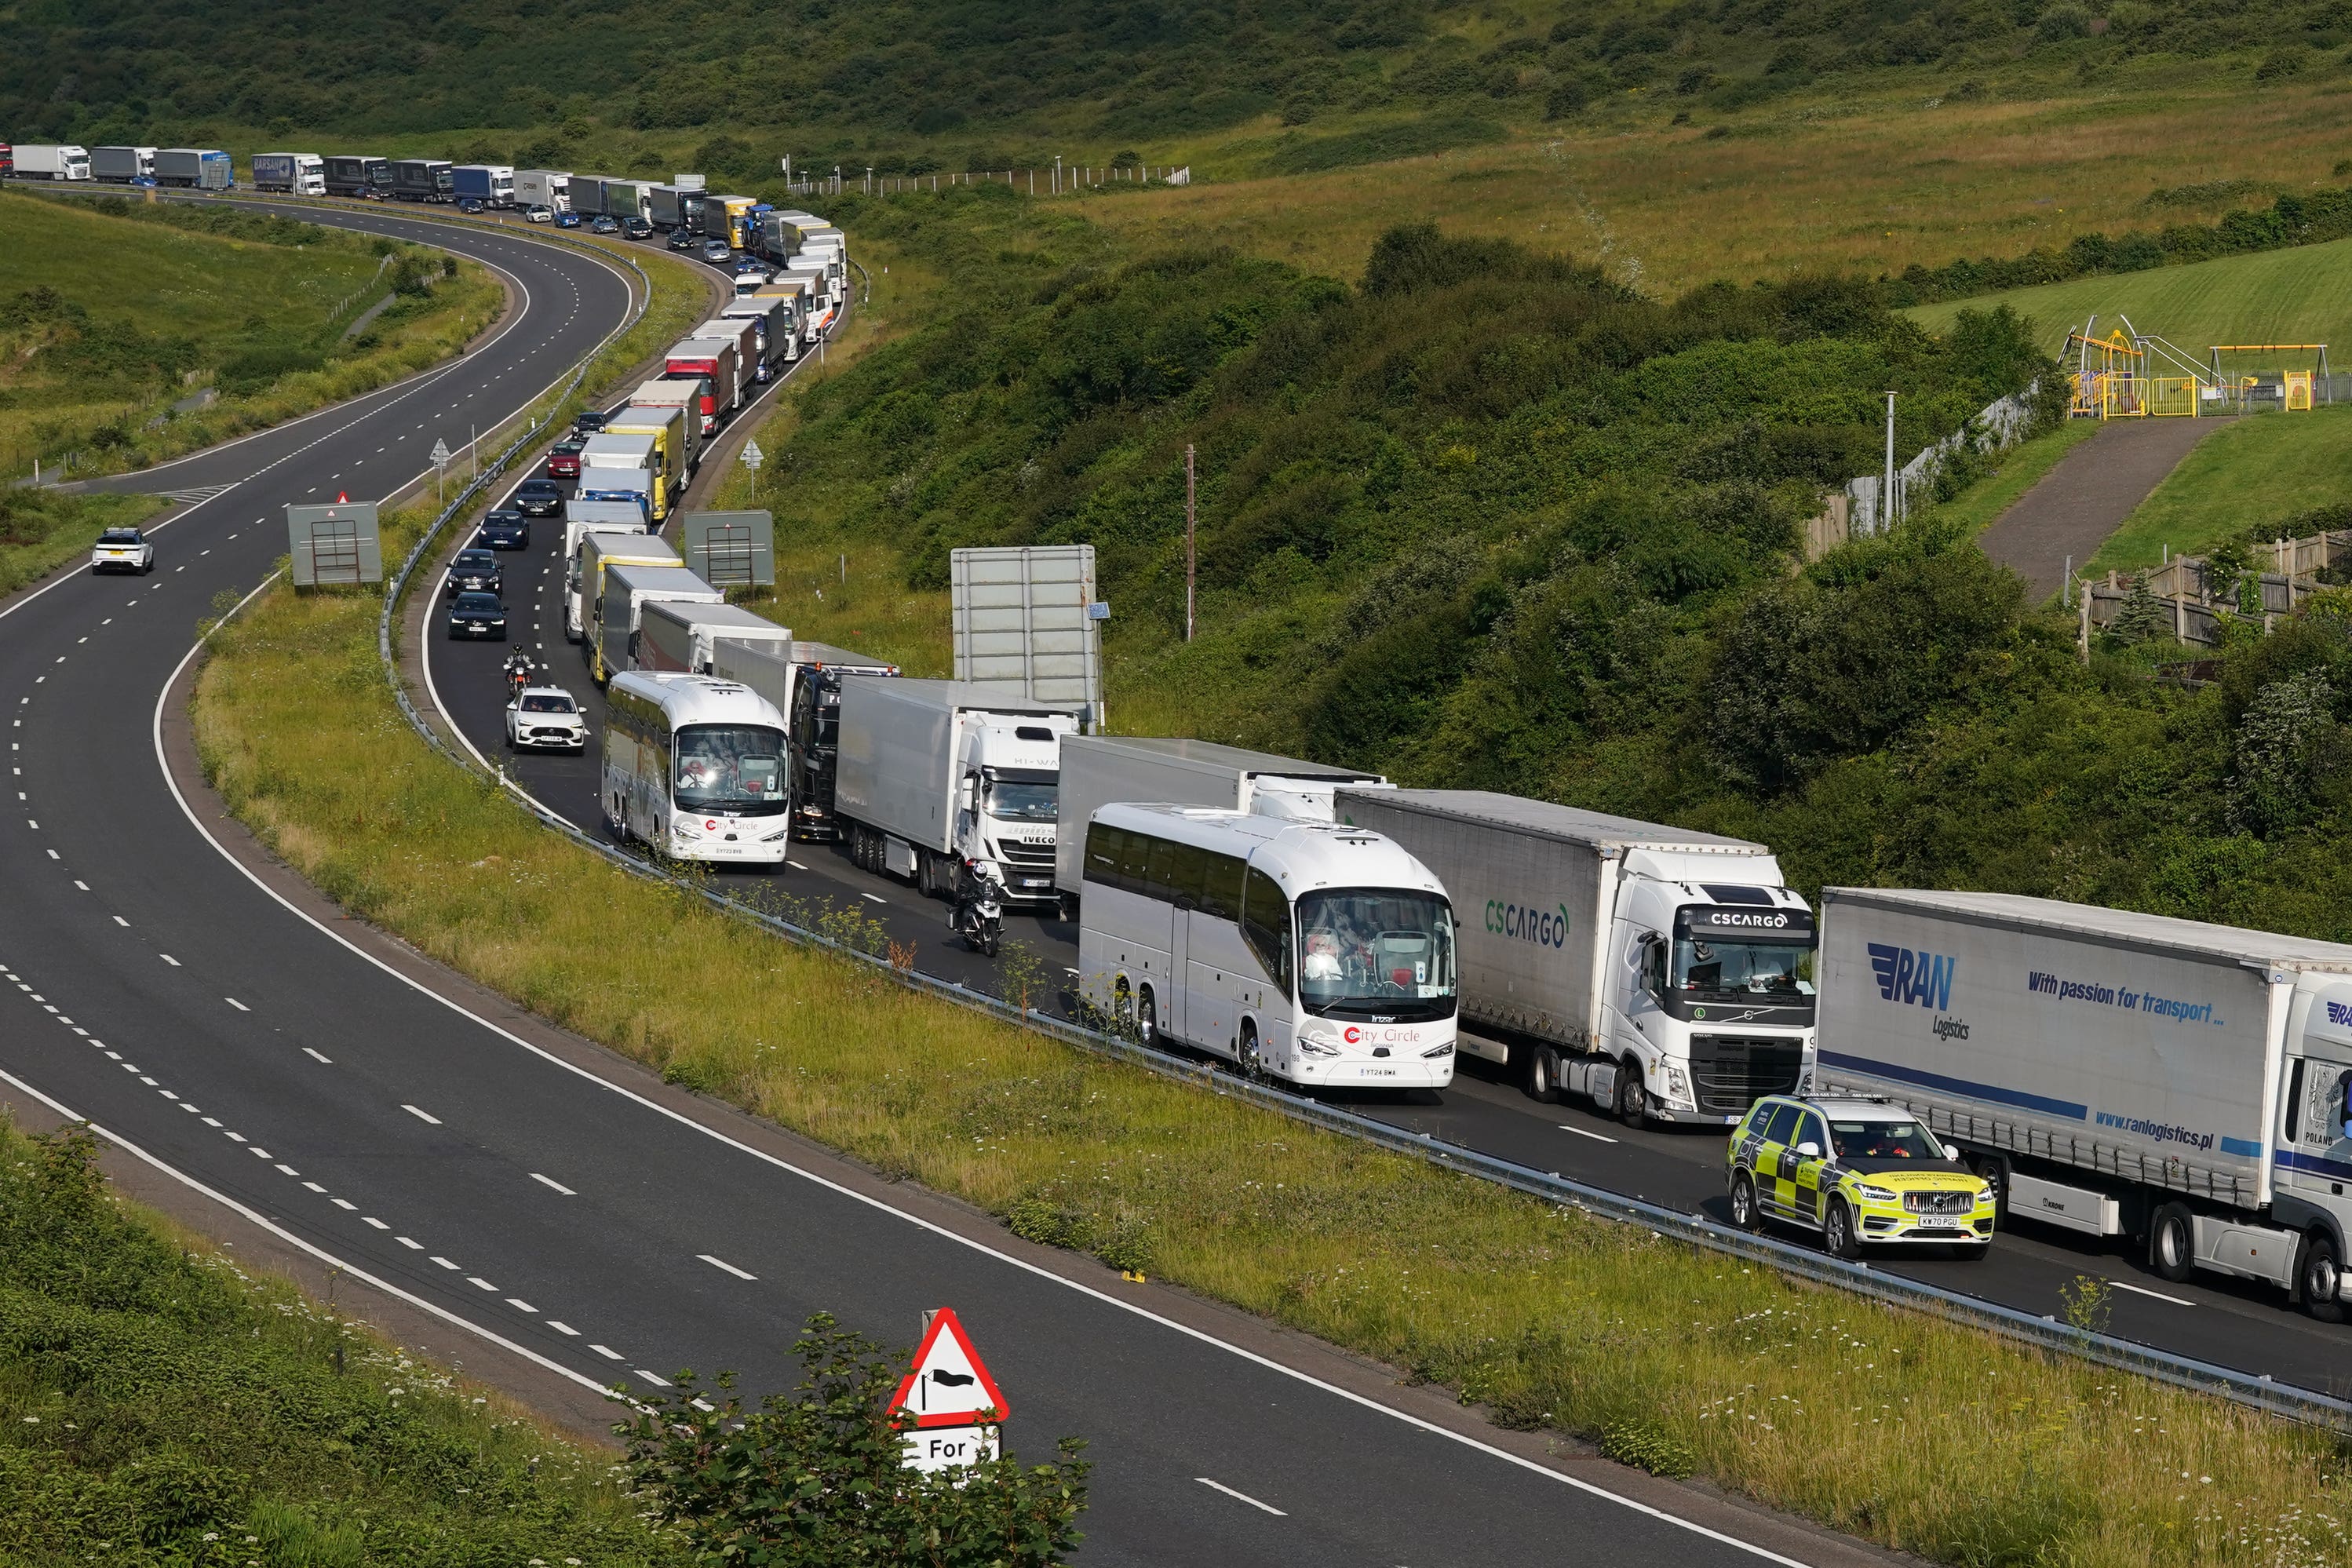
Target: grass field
[[1891, 1425], [160, 1406], [2257, 470], [2298, 296], [137, 315]]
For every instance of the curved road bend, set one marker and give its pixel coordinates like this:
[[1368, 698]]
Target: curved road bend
[[148, 983]]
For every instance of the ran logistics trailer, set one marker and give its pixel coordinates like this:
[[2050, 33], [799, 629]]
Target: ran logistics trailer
[[2112, 1073]]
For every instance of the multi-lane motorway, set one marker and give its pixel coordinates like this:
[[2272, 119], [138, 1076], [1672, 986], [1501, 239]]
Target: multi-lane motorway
[[2250, 1327], [519, 1187]]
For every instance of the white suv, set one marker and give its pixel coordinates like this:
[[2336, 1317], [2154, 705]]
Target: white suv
[[122, 550], [546, 716]]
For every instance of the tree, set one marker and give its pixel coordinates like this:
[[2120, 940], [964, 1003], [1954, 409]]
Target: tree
[[813, 1479], [2144, 618]]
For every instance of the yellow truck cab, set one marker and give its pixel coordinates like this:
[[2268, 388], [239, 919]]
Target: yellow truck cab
[[1861, 1172]]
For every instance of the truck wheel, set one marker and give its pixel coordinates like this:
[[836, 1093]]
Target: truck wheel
[[2320, 1278], [1838, 1233], [1147, 1019], [1743, 1212], [2172, 1243], [1543, 1075], [1632, 1100], [927, 874]]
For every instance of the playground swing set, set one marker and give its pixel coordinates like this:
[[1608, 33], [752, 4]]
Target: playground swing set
[[2130, 375]]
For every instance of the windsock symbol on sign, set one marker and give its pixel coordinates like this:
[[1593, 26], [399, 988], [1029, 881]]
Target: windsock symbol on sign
[[949, 1385]]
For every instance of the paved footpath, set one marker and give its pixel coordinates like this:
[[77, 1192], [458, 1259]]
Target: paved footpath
[[2086, 496]]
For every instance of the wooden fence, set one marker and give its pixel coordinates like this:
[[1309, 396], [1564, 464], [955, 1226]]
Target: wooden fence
[[2198, 598]]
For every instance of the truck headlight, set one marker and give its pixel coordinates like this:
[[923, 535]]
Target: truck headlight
[[1677, 1082]]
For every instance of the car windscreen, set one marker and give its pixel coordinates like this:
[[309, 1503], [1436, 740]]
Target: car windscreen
[[118, 536], [546, 703], [729, 767], [1873, 1140], [475, 561], [478, 601]]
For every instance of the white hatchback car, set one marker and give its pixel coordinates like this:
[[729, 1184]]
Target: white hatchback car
[[122, 550], [546, 717]]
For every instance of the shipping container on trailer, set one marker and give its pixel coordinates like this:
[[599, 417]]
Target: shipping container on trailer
[[2110, 1073], [292, 174], [122, 165]]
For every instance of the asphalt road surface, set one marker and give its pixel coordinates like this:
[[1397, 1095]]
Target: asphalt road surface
[[149, 984], [2245, 1326]]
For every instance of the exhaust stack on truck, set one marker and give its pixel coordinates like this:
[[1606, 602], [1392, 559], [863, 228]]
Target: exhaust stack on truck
[[2112, 1073], [1665, 973]]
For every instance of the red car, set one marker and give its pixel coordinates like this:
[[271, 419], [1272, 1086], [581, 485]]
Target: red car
[[563, 462]]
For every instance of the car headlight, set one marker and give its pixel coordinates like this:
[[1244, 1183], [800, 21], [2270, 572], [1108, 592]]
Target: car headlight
[[1878, 1194], [1984, 1194]]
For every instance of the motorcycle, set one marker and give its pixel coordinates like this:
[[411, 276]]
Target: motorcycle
[[518, 672], [978, 916]]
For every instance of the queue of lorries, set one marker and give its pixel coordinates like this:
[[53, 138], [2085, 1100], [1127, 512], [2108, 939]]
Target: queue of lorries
[[1896, 1068], [804, 255]]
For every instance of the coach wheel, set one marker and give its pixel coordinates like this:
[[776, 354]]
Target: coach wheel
[[1147, 1019]]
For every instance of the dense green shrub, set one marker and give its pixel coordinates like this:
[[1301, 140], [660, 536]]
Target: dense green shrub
[[161, 1407]]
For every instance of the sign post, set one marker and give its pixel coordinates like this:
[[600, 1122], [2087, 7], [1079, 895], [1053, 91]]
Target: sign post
[[751, 459], [440, 465], [957, 1407]]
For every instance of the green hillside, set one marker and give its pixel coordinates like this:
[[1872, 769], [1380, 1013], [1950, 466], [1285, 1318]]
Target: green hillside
[[2301, 295], [987, 81]]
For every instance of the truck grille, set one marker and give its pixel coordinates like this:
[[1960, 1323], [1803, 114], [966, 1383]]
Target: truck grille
[[1730, 1072], [1026, 854], [1938, 1203]]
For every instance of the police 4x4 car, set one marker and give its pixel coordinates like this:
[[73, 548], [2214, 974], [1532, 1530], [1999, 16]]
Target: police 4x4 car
[[1860, 1171]]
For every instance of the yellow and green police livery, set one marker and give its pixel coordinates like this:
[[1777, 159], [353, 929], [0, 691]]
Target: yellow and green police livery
[[1861, 1172]]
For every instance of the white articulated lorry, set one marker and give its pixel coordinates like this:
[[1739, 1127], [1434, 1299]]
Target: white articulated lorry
[[2112, 1073], [1098, 770], [934, 774], [1666, 975], [620, 608], [684, 637], [593, 551]]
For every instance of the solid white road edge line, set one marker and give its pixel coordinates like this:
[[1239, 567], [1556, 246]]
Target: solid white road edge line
[[1105, 1298]]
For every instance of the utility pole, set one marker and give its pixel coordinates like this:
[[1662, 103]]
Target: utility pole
[[1191, 560], [1886, 505]]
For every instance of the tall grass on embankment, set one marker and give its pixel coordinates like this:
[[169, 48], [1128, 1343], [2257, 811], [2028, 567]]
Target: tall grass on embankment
[[1892, 1425], [159, 1406]]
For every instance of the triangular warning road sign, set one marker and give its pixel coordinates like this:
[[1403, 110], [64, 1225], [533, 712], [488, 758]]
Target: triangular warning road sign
[[950, 1386]]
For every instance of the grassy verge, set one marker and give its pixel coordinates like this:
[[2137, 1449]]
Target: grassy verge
[[110, 316], [2257, 470], [1894, 1426], [41, 531], [160, 1406]]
